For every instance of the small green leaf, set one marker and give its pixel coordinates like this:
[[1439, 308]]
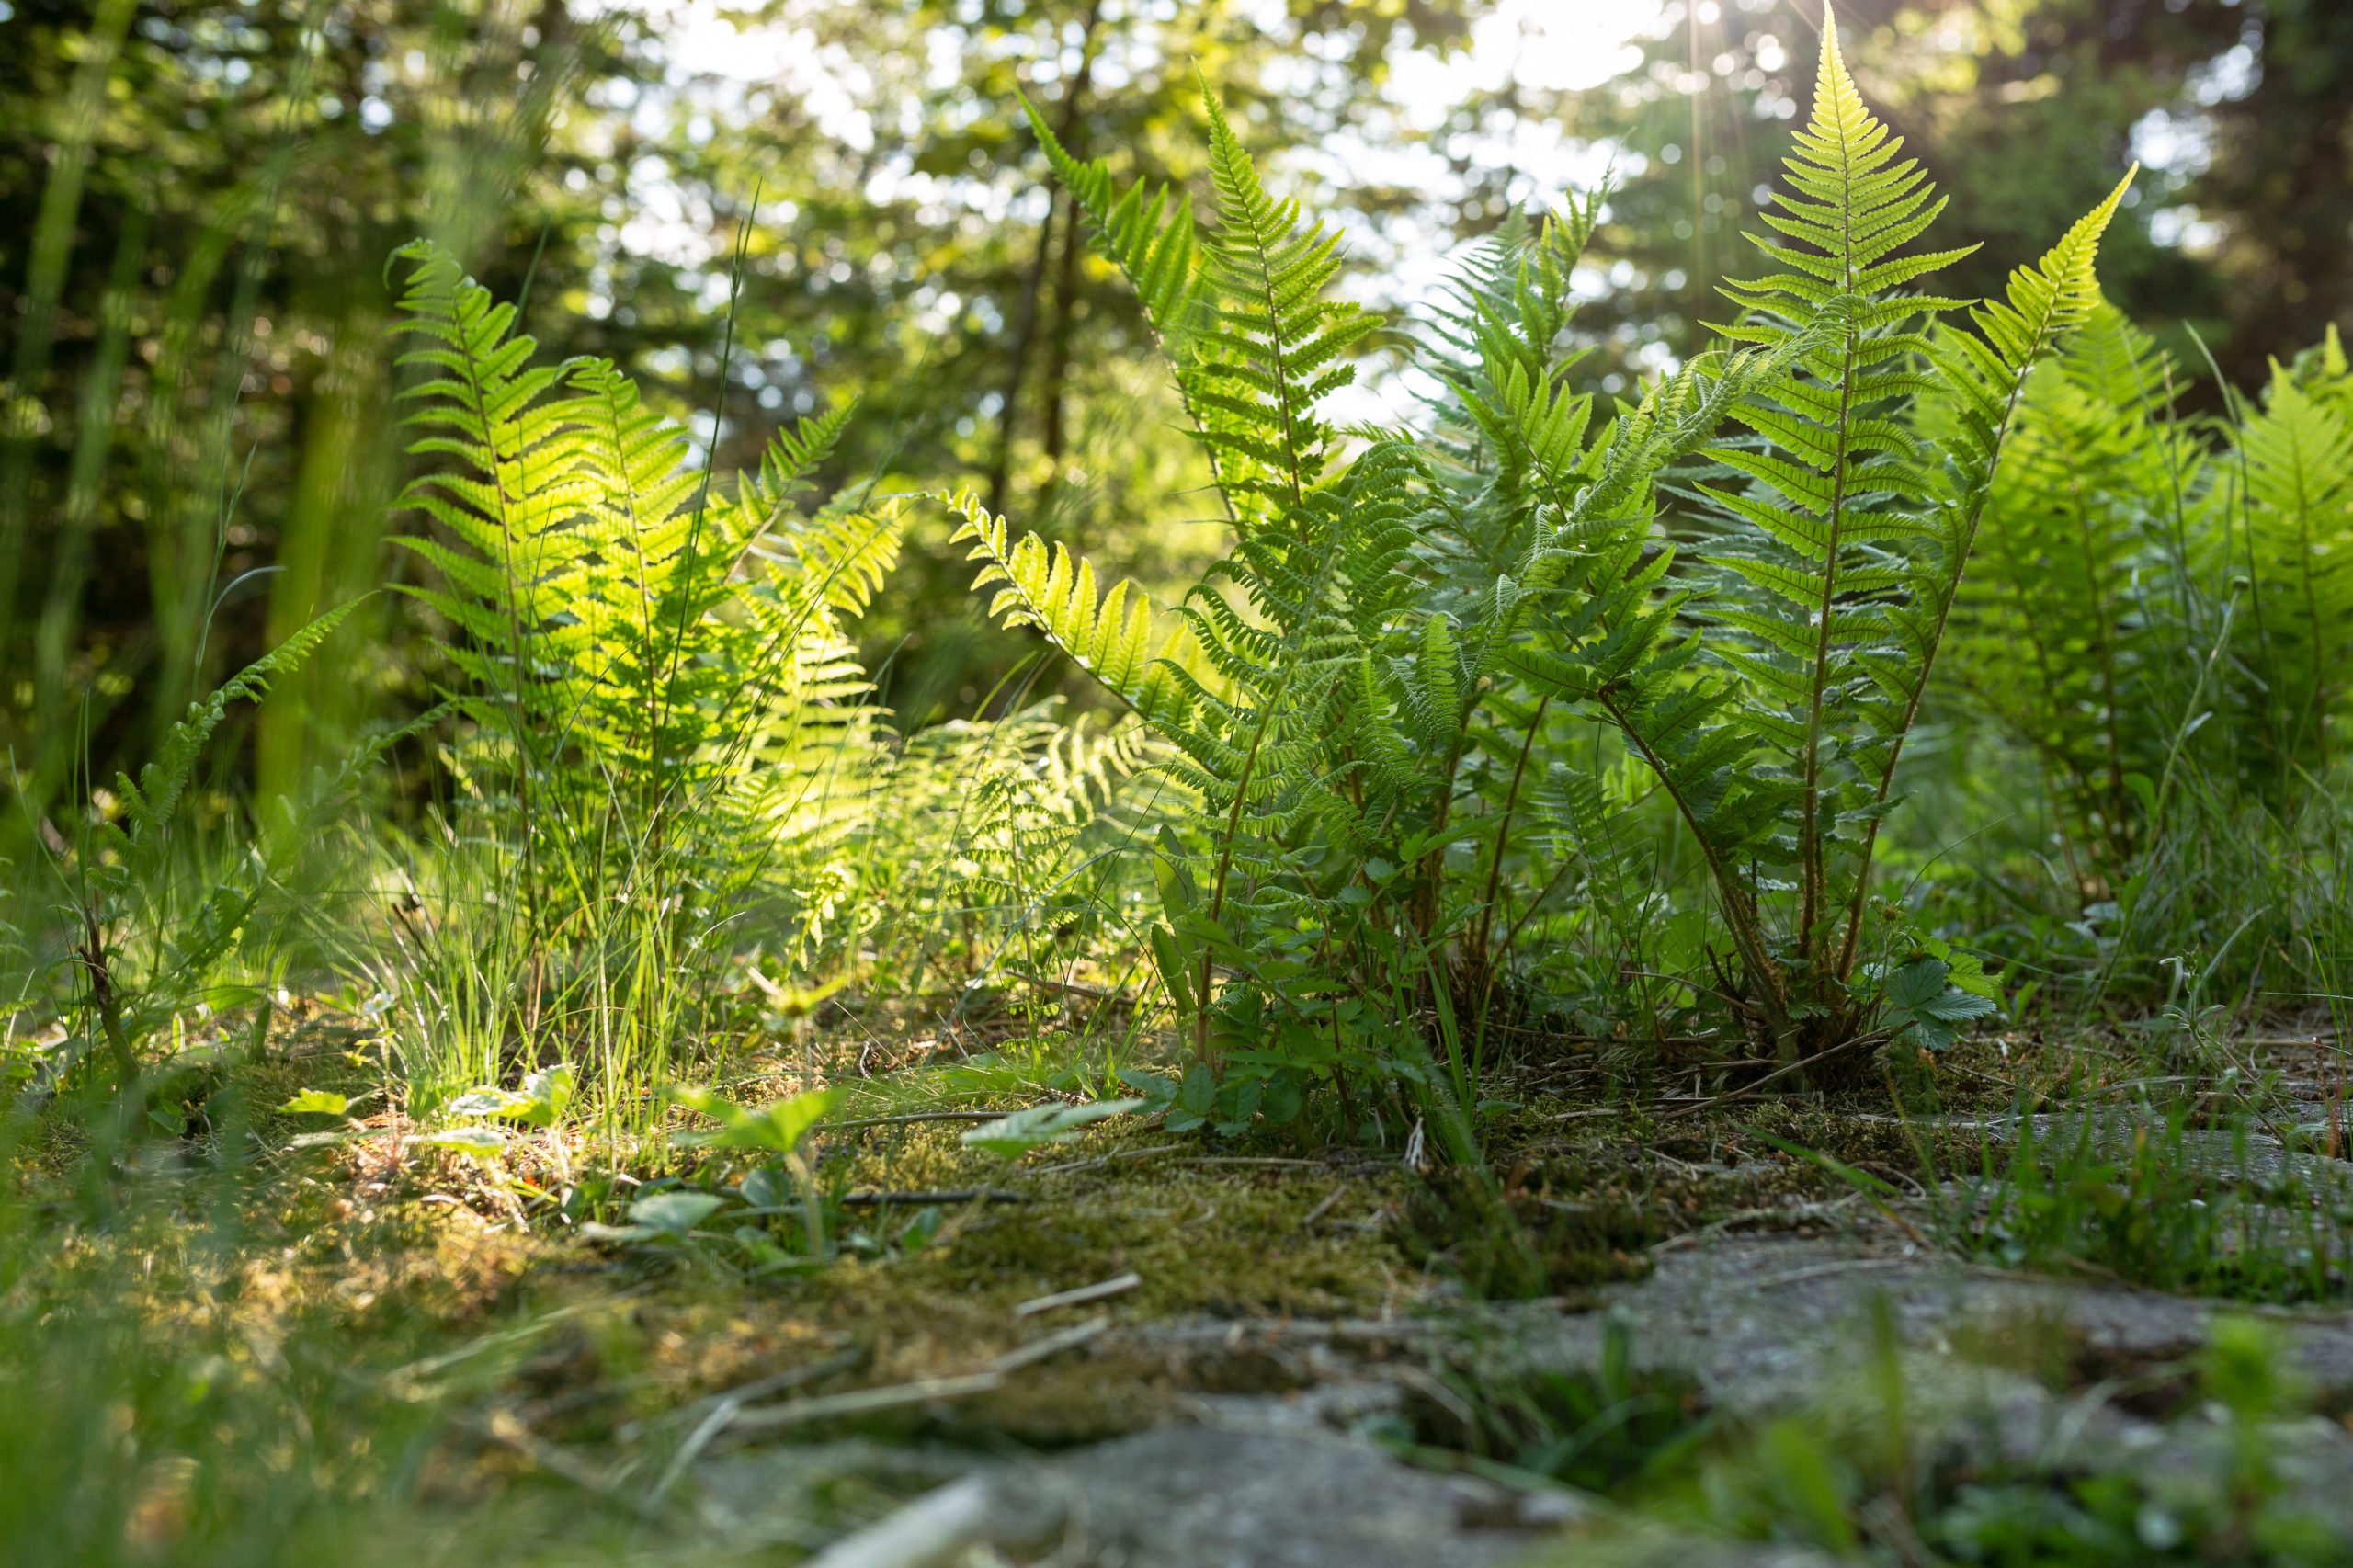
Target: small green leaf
[[779, 1128], [672, 1213], [316, 1102], [1023, 1130], [1917, 983], [1158, 1090], [481, 1143], [547, 1093], [1175, 971], [489, 1102]]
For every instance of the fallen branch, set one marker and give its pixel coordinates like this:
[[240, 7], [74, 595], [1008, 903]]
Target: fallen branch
[[912, 1118]]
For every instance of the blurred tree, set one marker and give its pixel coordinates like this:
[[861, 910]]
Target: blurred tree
[[198, 438]]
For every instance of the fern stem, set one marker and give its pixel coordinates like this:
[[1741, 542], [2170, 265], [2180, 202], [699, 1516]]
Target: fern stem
[[524, 765], [1226, 867], [1739, 915], [1810, 851], [1503, 838]]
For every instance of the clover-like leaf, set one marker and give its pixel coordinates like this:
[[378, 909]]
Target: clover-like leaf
[[776, 1128], [488, 1101], [538, 1103]]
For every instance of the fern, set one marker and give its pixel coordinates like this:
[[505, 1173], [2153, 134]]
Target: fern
[[1251, 687], [1371, 676], [1274, 348], [1111, 637], [2291, 472], [1771, 685], [666, 709]]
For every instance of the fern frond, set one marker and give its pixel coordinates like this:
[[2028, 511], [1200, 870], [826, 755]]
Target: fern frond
[[2295, 476], [1109, 635], [1275, 347], [150, 805]]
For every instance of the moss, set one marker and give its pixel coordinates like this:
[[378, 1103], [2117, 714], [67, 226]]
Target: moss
[[1231, 1239]]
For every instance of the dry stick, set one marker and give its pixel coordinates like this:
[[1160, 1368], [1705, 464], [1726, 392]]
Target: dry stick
[[1062, 1165], [725, 1408], [934, 1529], [860, 1402], [953, 1195], [506, 1429], [1078, 1296], [847, 1359], [1054, 1344], [923, 1391], [914, 1117], [1331, 1201]]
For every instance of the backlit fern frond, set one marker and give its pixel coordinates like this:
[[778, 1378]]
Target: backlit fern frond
[[511, 492], [1148, 231], [1109, 635], [666, 701], [1812, 547], [1275, 348]]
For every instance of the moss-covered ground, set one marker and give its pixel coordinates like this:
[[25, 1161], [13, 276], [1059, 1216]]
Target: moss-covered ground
[[232, 1327]]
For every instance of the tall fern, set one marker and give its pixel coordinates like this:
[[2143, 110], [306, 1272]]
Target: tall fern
[[664, 706], [1838, 532], [1333, 690]]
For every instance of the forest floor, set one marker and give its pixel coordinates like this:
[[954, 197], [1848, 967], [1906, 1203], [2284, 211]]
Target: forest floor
[[1145, 1349]]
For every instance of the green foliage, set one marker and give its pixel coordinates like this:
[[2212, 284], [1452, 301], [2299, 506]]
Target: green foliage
[[2151, 1199], [1857, 1474], [1841, 536], [626, 642], [2085, 609], [2152, 618], [1611, 1430], [540, 1102], [2290, 479], [778, 1128]]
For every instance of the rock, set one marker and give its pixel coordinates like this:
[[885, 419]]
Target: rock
[[1229, 1497]]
